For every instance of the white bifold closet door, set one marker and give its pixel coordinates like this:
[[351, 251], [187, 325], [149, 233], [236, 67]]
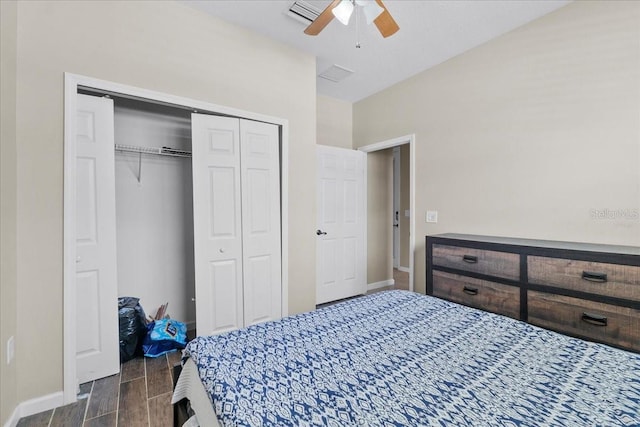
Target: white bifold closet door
[[236, 208], [97, 348]]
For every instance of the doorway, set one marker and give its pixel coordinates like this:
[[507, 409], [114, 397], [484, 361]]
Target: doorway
[[401, 216], [405, 217], [397, 192]]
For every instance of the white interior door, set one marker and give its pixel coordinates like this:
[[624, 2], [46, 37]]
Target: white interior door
[[217, 223], [261, 259], [97, 345], [340, 248]]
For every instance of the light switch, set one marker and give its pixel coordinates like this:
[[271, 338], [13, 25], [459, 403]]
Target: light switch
[[431, 216], [407, 213]]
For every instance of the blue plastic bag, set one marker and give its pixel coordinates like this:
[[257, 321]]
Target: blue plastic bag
[[164, 336]]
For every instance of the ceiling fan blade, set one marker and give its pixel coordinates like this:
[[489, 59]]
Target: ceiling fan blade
[[385, 23], [322, 20]]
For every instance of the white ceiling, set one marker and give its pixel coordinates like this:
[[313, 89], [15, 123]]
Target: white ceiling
[[431, 31]]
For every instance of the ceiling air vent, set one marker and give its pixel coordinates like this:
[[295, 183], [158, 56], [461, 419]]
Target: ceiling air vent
[[335, 73], [303, 12]]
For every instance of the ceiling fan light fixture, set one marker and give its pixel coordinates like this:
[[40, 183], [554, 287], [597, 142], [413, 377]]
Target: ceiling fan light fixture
[[371, 10], [343, 11], [375, 12]]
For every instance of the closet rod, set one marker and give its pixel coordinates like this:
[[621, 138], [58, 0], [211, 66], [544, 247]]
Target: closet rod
[[162, 151]]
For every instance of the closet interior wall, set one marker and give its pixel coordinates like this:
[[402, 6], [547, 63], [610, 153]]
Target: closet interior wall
[[154, 208]]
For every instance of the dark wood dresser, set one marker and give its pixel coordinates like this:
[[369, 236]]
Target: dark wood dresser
[[586, 290]]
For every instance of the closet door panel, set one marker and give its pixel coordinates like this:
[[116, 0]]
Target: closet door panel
[[97, 349], [223, 303], [258, 301], [260, 160], [217, 223], [223, 210]]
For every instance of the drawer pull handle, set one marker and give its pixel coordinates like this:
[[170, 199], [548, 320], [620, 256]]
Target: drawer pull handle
[[470, 259], [470, 291], [594, 319], [594, 277]]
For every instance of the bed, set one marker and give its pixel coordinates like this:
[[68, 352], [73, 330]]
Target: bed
[[398, 358]]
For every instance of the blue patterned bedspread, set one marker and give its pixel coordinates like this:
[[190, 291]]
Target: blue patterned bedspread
[[402, 359]]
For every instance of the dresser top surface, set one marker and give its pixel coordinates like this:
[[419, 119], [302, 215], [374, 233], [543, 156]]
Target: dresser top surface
[[553, 244]]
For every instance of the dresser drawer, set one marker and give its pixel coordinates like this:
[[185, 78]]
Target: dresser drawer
[[593, 320], [491, 263], [490, 296], [614, 280]]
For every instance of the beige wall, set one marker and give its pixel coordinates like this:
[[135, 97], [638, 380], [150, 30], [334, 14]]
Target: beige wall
[[334, 122], [405, 201], [379, 214], [533, 134], [8, 175], [162, 46]]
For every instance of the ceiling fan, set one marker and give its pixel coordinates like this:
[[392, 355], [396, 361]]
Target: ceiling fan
[[374, 11]]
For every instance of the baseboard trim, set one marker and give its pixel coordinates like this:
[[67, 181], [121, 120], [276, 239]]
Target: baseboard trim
[[382, 284], [35, 406], [403, 269]]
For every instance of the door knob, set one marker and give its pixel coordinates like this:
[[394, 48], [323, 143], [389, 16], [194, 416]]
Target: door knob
[[221, 250], [78, 259], [320, 232]]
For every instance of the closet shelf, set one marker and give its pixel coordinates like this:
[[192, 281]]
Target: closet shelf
[[163, 151]]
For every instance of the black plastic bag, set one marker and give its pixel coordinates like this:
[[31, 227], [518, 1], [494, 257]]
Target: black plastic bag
[[133, 327]]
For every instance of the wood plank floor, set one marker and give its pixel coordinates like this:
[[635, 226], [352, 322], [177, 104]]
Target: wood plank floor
[[140, 395]]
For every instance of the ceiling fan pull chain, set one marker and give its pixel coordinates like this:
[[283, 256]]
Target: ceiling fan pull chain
[[357, 27]]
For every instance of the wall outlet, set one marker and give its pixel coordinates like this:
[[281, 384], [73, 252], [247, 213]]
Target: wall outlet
[[431, 216], [11, 351]]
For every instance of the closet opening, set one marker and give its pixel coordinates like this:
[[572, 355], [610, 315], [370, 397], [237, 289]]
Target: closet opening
[[154, 206]]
